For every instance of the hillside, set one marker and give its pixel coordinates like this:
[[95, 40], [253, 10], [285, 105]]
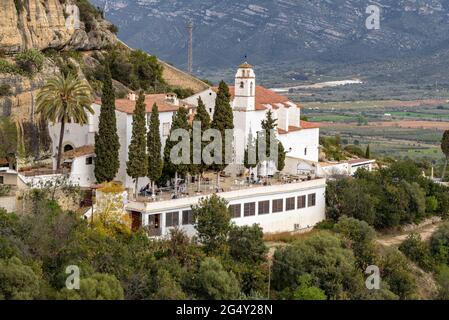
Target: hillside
[[35, 43], [289, 35]]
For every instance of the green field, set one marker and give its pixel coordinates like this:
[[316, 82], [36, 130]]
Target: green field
[[419, 115], [332, 118], [385, 141]]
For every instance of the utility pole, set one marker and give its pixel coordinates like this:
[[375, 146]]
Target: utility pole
[[190, 49]]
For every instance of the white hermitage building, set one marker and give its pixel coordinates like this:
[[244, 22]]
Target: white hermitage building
[[294, 205]]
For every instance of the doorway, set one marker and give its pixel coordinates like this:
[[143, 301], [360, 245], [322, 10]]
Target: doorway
[[136, 220], [154, 225]]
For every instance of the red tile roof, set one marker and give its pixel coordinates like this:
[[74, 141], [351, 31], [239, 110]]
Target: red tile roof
[[304, 125], [79, 152], [127, 106], [309, 125], [264, 97]]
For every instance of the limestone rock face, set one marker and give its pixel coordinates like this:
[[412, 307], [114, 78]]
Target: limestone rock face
[[41, 24]]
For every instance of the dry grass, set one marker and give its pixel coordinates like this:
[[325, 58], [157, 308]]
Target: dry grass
[[288, 237]]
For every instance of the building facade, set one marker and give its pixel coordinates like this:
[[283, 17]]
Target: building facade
[[294, 205], [276, 208]]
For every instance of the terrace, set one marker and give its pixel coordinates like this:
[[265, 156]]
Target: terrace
[[209, 186]]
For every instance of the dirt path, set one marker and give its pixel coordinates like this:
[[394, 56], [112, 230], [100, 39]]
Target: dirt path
[[425, 230]]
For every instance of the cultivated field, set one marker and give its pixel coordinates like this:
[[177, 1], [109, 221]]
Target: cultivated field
[[392, 128]]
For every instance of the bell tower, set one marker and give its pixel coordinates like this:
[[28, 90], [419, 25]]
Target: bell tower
[[245, 88]]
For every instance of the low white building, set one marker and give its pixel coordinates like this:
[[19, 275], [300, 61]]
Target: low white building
[[276, 208], [344, 168]]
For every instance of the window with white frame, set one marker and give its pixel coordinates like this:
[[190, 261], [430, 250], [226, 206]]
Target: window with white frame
[[249, 209], [187, 217], [290, 204], [311, 200], [172, 219], [278, 205], [264, 207], [236, 210], [301, 202]]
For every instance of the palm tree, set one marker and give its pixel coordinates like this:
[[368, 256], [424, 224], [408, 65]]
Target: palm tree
[[64, 99]]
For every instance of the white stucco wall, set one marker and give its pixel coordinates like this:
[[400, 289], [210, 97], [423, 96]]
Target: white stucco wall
[[299, 141], [8, 203], [208, 96], [341, 168], [82, 174], [271, 223]]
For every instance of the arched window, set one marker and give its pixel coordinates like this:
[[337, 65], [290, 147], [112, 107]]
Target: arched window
[[242, 85], [67, 147], [251, 91]]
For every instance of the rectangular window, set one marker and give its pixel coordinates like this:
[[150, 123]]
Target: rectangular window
[[301, 202], [311, 200], [89, 160], [278, 205], [290, 204], [236, 210], [305, 151], [187, 217], [172, 219], [2, 181], [249, 209], [166, 129], [264, 207]]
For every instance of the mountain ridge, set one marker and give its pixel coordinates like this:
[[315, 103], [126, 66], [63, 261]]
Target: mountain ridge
[[270, 31]]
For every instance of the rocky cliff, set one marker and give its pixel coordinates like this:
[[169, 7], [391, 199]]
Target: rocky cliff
[[41, 24]]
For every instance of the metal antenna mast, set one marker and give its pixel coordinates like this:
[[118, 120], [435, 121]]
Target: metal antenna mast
[[190, 53]]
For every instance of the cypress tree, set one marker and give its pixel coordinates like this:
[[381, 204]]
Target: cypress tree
[[267, 125], [171, 170], [250, 149], [445, 149], [281, 157], [154, 147], [106, 140], [203, 117], [367, 152], [137, 164], [223, 119]]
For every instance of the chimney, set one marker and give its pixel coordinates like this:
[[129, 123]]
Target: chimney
[[132, 96], [172, 98]]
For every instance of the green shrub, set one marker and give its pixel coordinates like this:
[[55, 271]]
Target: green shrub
[[30, 61], [113, 28], [183, 93], [439, 243], [5, 90], [4, 190], [417, 251], [7, 67], [352, 149], [88, 13]]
